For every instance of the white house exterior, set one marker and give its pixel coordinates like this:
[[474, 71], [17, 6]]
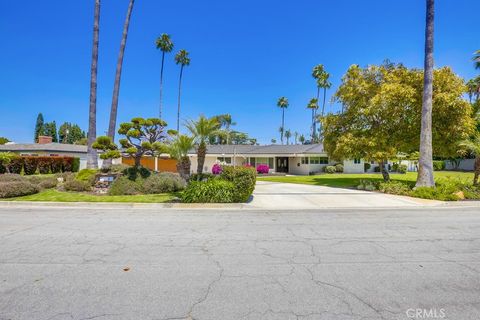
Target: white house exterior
[[291, 159]]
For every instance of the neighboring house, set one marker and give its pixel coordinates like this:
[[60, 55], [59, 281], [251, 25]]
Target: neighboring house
[[46, 147], [292, 159]]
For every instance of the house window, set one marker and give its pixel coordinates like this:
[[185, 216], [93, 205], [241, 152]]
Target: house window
[[318, 160], [267, 161], [227, 160], [304, 160], [356, 161]]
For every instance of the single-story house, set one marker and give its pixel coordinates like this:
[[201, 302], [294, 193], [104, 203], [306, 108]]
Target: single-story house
[[294, 159], [47, 148]]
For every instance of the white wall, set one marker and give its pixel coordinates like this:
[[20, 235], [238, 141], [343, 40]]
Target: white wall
[[350, 167], [295, 166], [465, 164]]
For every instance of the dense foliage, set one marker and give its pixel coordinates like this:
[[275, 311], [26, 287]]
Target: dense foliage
[[210, 191], [243, 178], [162, 183], [12, 189]]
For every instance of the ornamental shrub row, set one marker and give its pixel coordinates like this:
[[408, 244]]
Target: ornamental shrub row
[[43, 164]]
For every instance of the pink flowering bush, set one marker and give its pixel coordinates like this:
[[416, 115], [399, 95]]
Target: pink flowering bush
[[216, 169], [262, 168]]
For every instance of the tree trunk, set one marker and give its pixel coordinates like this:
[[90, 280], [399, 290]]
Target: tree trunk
[[313, 124], [183, 167], [92, 161], [283, 124], [161, 86], [116, 87], [138, 158], [201, 152], [179, 95], [425, 169], [476, 170], [385, 174]]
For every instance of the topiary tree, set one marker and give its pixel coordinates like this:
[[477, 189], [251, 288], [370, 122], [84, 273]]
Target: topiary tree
[[142, 137]]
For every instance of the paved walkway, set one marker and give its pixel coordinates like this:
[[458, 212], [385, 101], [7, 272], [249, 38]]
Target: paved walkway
[[274, 195]]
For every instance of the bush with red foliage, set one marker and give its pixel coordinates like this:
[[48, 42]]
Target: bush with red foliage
[[263, 169], [30, 165]]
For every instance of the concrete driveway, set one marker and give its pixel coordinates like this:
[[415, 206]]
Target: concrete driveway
[[123, 264], [274, 195]]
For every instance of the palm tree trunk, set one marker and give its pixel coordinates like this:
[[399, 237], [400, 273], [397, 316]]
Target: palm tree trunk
[[161, 86], [201, 152], [92, 161], [179, 95], [118, 75], [425, 170], [283, 124], [476, 170], [313, 124]]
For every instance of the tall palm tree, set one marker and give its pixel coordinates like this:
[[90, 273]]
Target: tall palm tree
[[473, 89], [295, 134], [178, 150], [165, 44], [183, 60], [92, 161], [313, 105], [225, 121], [118, 74], [283, 104], [425, 162], [301, 139], [476, 59], [473, 145], [201, 130], [322, 78], [288, 135]]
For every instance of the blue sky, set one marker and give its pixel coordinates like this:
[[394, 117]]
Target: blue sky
[[245, 54]]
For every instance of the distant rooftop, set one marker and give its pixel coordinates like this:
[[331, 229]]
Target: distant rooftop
[[46, 147], [265, 149]]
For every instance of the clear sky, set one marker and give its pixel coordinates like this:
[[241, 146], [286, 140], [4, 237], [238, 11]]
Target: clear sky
[[245, 54]]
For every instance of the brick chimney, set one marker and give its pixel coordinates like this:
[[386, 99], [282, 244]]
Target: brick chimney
[[44, 139]]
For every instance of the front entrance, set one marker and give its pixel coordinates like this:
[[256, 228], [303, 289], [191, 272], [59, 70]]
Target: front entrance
[[282, 164]]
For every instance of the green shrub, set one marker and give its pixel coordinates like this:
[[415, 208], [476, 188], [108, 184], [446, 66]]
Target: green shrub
[[394, 187], [368, 185], [243, 178], [376, 169], [339, 168], [210, 191], [329, 169], [17, 189], [438, 193], [118, 168], [44, 164], [76, 185], [134, 172], [366, 166], [87, 175], [9, 177], [30, 165], [43, 182], [402, 168], [471, 192], [75, 164], [124, 186], [15, 165], [57, 164], [438, 165], [163, 182], [201, 177], [5, 158]]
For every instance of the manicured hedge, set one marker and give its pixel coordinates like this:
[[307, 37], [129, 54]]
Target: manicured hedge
[[30, 165], [16, 189], [15, 165], [42, 164], [214, 190], [243, 178], [438, 165]]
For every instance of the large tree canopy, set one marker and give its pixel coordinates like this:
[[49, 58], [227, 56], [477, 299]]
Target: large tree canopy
[[382, 111]]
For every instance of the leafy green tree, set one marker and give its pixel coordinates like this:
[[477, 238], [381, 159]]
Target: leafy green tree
[[39, 127], [273, 141], [473, 146], [3, 140], [179, 149], [92, 161], [383, 111], [183, 60], [282, 103], [70, 133], [142, 137], [165, 44], [50, 130], [118, 74], [425, 163], [201, 130]]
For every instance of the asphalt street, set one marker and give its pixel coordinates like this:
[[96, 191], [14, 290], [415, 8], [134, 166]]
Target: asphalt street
[[137, 263]]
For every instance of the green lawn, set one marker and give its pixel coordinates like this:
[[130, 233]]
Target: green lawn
[[346, 180], [54, 195]]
